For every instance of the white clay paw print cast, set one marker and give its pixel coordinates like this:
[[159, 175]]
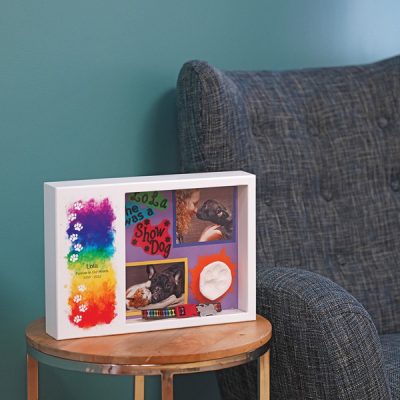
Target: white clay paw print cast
[[77, 298], [83, 308], [78, 205], [73, 237], [78, 226], [78, 247], [71, 217], [74, 257], [77, 319]]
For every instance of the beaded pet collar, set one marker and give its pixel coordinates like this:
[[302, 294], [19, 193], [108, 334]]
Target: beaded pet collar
[[183, 311]]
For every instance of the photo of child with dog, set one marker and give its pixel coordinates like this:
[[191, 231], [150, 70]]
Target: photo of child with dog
[[204, 215], [155, 285]]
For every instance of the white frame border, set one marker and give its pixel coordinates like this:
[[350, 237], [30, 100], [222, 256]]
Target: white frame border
[[57, 195]]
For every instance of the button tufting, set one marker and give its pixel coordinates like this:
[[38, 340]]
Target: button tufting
[[341, 259], [395, 184], [314, 132], [327, 194], [268, 201], [394, 179], [382, 122]]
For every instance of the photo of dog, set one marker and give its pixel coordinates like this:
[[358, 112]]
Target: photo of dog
[[155, 285], [205, 215], [215, 212]]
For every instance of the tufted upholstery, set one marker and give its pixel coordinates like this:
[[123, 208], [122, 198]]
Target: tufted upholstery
[[325, 146]]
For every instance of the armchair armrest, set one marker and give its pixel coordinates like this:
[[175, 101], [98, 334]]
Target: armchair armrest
[[325, 344]]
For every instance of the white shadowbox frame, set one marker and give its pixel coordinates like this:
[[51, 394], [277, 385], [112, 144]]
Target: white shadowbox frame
[[63, 287]]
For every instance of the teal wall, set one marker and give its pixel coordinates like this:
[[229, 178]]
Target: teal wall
[[87, 91]]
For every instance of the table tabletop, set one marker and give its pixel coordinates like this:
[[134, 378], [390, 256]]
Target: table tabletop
[[173, 346]]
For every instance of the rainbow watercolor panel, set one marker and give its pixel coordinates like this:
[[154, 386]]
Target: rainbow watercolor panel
[[92, 298]]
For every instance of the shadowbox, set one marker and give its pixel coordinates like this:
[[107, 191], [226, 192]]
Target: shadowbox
[[117, 247]]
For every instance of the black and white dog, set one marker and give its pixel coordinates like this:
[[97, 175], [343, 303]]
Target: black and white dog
[[165, 281], [217, 213]]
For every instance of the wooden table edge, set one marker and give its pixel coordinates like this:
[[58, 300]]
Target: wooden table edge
[[155, 360], [147, 369]]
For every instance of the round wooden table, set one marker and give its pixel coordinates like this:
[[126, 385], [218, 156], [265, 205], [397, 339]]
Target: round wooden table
[[165, 353]]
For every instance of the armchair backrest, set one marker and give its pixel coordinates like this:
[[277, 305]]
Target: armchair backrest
[[325, 146]]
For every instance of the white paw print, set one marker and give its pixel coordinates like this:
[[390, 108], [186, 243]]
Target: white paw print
[[72, 217], [77, 319], [74, 257], [81, 288], [83, 308], [77, 298], [78, 247], [78, 226], [78, 205], [73, 237]]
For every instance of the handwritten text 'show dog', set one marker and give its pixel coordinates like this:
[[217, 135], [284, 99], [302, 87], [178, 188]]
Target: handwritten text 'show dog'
[[153, 239]]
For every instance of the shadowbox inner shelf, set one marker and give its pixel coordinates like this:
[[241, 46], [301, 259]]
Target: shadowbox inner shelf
[[116, 247]]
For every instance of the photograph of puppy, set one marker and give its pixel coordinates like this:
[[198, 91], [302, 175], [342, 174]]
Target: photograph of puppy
[[217, 213], [155, 285], [205, 215]]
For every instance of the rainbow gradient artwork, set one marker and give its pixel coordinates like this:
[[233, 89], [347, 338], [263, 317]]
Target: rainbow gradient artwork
[[92, 298]]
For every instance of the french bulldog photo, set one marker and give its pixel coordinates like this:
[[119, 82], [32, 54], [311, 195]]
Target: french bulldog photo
[[165, 281], [155, 285]]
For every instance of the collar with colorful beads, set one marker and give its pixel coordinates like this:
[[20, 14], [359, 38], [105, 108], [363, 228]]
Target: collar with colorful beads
[[183, 311]]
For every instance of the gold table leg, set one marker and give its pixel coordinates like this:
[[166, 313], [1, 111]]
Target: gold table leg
[[263, 371], [139, 387], [32, 386], [167, 386]]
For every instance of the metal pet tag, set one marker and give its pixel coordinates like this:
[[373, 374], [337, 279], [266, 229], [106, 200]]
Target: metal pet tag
[[206, 309]]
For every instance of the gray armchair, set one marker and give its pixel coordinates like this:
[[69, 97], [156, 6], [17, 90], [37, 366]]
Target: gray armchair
[[325, 146]]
